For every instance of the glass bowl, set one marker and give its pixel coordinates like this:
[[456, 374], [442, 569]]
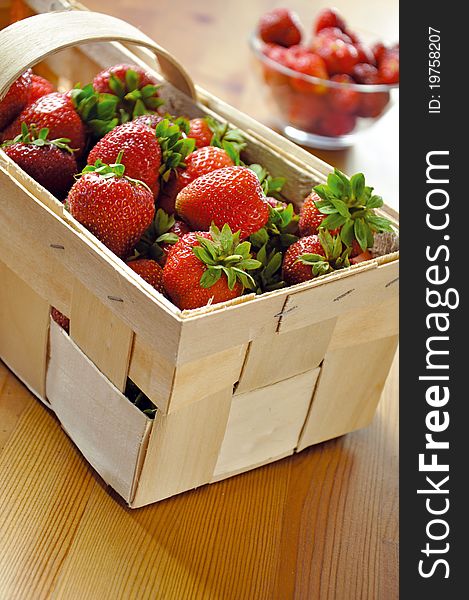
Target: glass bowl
[[320, 113]]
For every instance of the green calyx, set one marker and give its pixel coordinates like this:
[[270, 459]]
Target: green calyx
[[114, 170], [335, 256], [281, 230], [98, 111], [269, 276], [271, 186], [225, 255], [133, 100], [349, 204], [158, 233], [175, 146], [230, 139], [33, 137]]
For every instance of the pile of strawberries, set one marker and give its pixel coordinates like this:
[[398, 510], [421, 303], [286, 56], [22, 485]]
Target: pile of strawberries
[[336, 54], [173, 198]]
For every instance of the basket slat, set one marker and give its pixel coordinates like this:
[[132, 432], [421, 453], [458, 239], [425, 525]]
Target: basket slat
[[183, 448], [171, 387], [274, 357], [339, 407], [24, 330], [364, 325], [264, 424], [109, 430], [101, 335], [333, 295]]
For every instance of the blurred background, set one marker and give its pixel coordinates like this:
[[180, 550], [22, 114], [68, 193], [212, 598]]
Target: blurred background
[[210, 39]]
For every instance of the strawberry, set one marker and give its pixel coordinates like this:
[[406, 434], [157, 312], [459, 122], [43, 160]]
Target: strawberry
[[365, 54], [15, 99], [312, 256], [164, 231], [344, 99], [39, 87], [60, 319], [168, 192], [203, 161], [339, 56], [310, 64], [365, 73], [150, 271], [200, 132], [335, 124], [114, 207], [389, 67], [379, 50], [280, 26], [350, 205], [57, 113], [141, 152], [50, 162], [329, 17], [208, 267], [231, 195], [310, 217], [136, 90], [373, 104], [335, 33]]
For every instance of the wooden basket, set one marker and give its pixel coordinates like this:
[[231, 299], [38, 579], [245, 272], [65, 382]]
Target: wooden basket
[[237, 385]]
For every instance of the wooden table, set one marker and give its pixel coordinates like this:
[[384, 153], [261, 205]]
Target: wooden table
[[319, 525]]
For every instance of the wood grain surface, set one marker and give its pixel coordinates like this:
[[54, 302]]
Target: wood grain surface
[[321, 525]]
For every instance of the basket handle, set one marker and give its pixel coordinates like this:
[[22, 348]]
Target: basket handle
[[31, 40]]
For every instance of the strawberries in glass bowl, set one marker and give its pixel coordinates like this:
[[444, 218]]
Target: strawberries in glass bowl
[[326, 89]]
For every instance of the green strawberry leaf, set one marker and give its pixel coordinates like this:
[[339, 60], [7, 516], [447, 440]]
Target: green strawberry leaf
[[361, 234], [210, 277]]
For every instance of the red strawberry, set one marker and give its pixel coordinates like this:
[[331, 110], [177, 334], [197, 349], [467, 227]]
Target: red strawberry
[[162, 234], [148, 120], [191, 277], [200, 132], [15, 100], [117, 210], [335, 124], [169, 190], [344, 99], [50, 162], [379, 50], [339, 56], [312, 256], [280, 26], [178, 229], [389, 67], [39, 87], [336, 34], [329, 17], [231, 195], [362, 257], [307, 63], [310, 217], [203, 161], [365, 54], [373, 104], [136, 90], [365, 73], [141, 152], [60, 319], [57, 113], [150, 271]]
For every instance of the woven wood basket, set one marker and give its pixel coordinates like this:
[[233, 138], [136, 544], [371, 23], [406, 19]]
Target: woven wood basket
[[237, 385]]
